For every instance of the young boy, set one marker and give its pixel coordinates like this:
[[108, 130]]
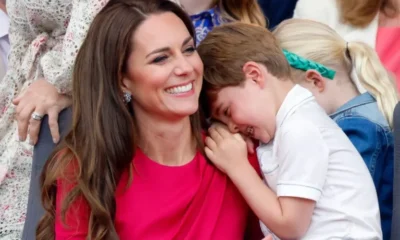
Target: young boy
[[318, 185]]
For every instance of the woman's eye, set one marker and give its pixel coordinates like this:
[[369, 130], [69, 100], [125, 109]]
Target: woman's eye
[[159, 59]]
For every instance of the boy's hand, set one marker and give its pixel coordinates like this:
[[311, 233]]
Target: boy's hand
[[248, 140], [226, 150]]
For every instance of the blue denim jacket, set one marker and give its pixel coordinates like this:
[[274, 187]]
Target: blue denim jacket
[[368, 130]]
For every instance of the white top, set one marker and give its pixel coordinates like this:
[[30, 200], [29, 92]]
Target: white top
[[4, 43], [310, 157], [328, 12]]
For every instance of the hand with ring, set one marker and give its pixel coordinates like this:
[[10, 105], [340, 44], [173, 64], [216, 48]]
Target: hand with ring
[[40, 98]]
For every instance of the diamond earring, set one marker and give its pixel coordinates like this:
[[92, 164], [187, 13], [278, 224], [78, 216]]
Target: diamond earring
[[127, 97]]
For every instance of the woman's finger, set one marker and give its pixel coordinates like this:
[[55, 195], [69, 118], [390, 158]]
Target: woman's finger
[[34, 125], [17, 100], [23, 121], [53, 124]]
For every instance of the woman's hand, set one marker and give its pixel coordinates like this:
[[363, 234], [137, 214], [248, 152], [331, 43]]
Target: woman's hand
[[40, 98], [226, 150]]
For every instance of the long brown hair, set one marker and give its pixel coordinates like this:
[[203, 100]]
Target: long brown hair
[[247, 11], [102, 142], [360, 13]]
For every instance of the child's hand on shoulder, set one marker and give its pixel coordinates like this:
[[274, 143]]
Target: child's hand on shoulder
[[228, 151]]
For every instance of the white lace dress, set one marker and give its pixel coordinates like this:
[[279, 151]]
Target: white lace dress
[[45, 36]]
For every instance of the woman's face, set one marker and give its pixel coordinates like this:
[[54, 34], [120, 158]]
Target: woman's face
[[164, 71]]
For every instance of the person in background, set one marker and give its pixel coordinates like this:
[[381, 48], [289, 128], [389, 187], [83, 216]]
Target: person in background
[[276, 11], [375, 22], [44, 37], [4, 42], [316, 183], [207, 14], [133, 166], [361, 103]]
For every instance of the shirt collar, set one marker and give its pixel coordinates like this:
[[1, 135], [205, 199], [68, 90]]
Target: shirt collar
[[4, 24], [295, 98], [362, 99]]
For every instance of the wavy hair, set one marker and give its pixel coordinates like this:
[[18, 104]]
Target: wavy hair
[[104, 136], [320, 43]]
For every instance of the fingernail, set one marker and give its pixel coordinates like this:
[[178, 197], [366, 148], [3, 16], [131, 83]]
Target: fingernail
[[31, 142], [55, 140]]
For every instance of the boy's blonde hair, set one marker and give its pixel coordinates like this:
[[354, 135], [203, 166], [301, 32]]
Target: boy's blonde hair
[[320, 43]]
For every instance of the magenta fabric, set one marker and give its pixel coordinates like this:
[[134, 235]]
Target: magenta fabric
[[193, 201]]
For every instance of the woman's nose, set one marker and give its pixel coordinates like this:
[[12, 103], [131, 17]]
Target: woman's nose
[[183, 66]]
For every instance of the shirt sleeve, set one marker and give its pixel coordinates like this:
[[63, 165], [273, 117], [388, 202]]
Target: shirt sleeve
[[76, 223], [59, 73], [304, 160]]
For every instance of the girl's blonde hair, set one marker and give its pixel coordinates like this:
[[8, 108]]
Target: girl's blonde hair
[[320, 43], [247, 11]]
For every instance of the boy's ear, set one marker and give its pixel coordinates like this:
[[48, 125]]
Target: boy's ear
[[252, 71], [314, 78]]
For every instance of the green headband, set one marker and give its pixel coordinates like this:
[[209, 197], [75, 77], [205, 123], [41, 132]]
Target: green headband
[[297, 62]]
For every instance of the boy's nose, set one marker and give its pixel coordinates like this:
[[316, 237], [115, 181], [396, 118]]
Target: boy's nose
[[233, 127]]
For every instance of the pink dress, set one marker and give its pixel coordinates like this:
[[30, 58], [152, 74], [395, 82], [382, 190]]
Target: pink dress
[[194, 201], [388, 49]]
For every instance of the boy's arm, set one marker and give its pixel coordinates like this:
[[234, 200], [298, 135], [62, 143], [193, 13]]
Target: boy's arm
[[286, 217], [302, 172]]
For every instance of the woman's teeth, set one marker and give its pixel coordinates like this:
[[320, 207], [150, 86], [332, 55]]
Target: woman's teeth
[[180, 89]]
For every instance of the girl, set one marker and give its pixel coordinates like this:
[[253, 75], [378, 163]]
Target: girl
[[360, 98]]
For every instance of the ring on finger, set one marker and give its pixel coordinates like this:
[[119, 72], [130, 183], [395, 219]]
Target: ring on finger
[[37, 116]]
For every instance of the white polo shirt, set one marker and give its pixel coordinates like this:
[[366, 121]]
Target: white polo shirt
[[310, 157]]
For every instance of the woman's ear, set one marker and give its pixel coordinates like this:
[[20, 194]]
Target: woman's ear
[[253, 72], [126, 85], [315, 79]]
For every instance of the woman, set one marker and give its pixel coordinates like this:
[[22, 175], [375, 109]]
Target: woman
[[132, 166], [375, 22], [247, 11]]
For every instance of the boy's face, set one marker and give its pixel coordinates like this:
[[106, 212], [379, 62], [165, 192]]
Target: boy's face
[[245, 109]]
